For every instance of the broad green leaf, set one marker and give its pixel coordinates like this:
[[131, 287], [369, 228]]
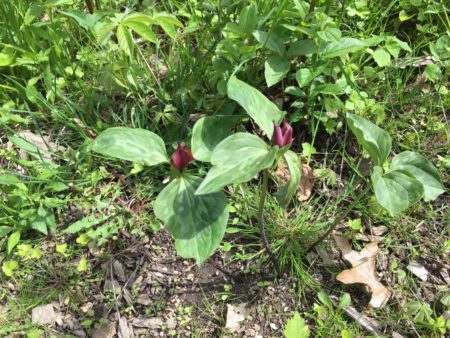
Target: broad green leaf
[[105, 31], [344, 301], [29, 147], [285, 194], [248, 19], [375, 140], [270, 41], [302, 47], [82, 265], [403, 45], [32, 13], [143, 30], [208, 132], [79, 16], [43, 220], [392, 47], [396, 190], [263, 111], [275, 70], [237, 159], [327, 88], [196, 222], [433, 72], [4, 230], [61, 248], [296, 327], [6, 59], [13, 239], [131, 144], [441, 49], [330, 34], [342, 47], [304, 76], [308, 149], [8, 267], [423, 171], [168, 23], [139, 18], [381, 57], [403, 16], [125, 39], [86, 223]]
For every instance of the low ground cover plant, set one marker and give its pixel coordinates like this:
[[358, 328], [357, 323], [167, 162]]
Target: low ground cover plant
[[170, 149], [194, 210]]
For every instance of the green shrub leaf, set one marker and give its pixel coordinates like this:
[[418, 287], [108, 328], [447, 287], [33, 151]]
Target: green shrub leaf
[[143, 30], [208, 132], [396, 190], [381, 57], [423, 171], [125, 39], [275, 70], [237, 159], [86, 223], [285, 194], [342, 47], [270, 41], [302, 47], [375, 140], [259, 107], [296, 327], [13, 239], [131, 144], [196, 222]]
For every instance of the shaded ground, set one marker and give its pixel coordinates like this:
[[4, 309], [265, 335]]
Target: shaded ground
[[143, 289]]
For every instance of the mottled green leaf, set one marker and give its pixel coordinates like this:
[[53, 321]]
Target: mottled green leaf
[[237, 159], [396, 190], [131, 144], [197, 222], [285, 193], [375, 140], [207, 133], [423, 171], [263, 111]]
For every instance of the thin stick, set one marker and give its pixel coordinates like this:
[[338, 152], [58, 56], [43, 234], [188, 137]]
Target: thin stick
[[262, 223]]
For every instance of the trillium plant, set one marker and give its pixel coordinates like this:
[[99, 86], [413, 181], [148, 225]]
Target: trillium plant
[[194, 209]]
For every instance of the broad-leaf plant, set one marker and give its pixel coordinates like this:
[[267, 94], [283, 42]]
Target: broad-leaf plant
[[194, 209]]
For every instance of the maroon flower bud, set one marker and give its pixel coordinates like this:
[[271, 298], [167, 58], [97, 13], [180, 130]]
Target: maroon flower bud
[[181, 157], [282, 136]]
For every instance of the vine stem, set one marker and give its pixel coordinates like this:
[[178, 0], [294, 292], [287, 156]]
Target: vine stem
[[262, 223], [338, 219]]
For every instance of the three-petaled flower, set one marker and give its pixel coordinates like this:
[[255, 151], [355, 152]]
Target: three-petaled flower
[[282, 136], [181, 157]]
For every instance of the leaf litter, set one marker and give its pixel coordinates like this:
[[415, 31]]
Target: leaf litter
[[363, 270]]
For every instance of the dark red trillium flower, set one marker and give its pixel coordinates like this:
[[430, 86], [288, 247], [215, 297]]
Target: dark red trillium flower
[[181, 157], [282, 136]]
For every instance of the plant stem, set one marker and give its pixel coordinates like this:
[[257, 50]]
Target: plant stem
[[262, 223], [90, 6], [338, 219]]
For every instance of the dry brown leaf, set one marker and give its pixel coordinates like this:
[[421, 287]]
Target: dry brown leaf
[[307, 180], [363, 270], [43, 143], [235, 315], [304, 190]]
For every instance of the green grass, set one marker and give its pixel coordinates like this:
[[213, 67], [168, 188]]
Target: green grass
[[59, 80]]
